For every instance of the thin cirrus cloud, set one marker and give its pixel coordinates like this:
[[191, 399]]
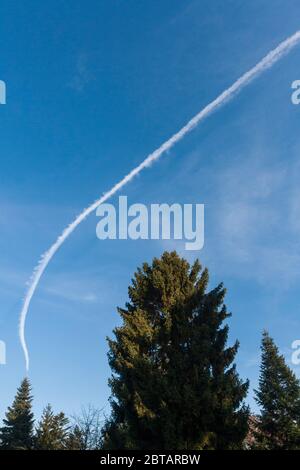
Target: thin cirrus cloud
[[255, 216], [83, 75], [252, 214], [70, 293]]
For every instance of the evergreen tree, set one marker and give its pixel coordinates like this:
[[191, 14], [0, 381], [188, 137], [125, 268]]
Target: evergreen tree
[[52, 431], [174, 384], [17, 432], [279, 398], [75, 439]]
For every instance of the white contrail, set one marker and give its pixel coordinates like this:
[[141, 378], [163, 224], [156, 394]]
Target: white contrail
[[264, 64]]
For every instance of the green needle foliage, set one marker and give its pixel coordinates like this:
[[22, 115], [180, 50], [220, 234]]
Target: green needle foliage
[[174, 385], [52, 431], [76, 440], [17, 432], [279, 398]]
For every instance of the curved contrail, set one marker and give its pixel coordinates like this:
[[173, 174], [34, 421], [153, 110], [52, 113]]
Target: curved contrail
[[272, 57]]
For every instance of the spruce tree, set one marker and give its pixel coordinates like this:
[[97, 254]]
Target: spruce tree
[[278, 396], [17, 432], [75, 439], [174, 384], [52, 431]]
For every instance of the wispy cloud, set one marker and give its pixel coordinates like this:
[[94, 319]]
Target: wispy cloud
[[253, 360], [72, 287], [256, 220], [68, 292], [83, 75]]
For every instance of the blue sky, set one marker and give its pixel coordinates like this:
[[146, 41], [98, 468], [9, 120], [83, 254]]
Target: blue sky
[[92, 88]]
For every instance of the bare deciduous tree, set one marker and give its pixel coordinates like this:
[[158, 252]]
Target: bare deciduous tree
[[87, 428]]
